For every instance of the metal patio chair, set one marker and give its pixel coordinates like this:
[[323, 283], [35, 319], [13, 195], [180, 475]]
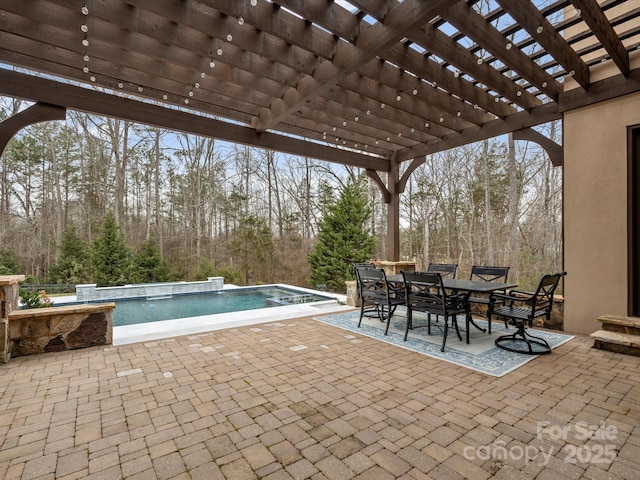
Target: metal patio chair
[[481, 273], [520, 309], [378, 295], [447, 270], [356, 268], [424, 292]]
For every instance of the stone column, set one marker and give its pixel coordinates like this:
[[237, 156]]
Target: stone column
[[394, 268], [353, 299], [9, 298]]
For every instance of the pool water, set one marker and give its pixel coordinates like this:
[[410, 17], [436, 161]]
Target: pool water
[[146, 310]]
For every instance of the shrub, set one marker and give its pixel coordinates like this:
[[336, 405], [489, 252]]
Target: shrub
[[31, 299]]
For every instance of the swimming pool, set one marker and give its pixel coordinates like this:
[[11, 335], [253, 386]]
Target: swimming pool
[[155, 309], [280, 310]]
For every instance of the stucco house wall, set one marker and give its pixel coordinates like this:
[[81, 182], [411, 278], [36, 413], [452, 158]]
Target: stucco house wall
[[595, 211]]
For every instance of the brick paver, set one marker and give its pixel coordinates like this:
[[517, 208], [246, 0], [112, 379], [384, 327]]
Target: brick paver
[[299, 399]]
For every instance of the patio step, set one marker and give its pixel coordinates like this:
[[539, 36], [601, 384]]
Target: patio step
[[619, 334], [620, 323]]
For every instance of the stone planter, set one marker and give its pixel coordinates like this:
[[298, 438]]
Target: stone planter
[[55, 329]]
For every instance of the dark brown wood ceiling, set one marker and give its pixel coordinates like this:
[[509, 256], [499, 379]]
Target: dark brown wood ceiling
[[365, 81]]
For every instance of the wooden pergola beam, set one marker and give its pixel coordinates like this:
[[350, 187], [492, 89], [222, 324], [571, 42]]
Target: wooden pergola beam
[[423, 67], [600, 91], [348, 58], [465, 19], [440, 76], [593, 16], [44, 90], [524, 12], [337, 68], [452, 52], [544, 113]]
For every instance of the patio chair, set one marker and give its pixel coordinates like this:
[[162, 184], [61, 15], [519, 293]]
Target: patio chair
[[356, 268], [520, 308], [447, 270], [378, 295], [481, 273], [424, 292]]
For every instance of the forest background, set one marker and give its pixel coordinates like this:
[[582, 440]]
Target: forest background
[[205, 208]]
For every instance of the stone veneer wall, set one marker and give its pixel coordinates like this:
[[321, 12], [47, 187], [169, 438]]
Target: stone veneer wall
[[55, 329], [9, 300]]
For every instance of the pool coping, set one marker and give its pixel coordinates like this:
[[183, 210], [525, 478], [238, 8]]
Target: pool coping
[[144, 332]]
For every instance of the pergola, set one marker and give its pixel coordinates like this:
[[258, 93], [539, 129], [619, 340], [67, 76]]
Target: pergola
[[366, 83]]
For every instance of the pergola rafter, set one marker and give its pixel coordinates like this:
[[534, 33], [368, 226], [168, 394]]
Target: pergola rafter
[[540, 29], [593, 16], [390, 79]]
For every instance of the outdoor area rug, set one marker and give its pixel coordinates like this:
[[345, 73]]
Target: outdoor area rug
[[481, 354]]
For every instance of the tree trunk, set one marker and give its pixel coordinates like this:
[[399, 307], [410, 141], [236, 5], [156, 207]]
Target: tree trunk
[[425, 242], [487, 201], [115, 132], [512, 215], [307, 199], [156, 189]]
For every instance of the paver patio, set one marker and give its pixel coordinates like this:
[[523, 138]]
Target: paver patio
[[298, 399]]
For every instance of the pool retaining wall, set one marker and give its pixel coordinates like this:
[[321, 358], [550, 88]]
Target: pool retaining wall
[[56, 329], [90, 292]]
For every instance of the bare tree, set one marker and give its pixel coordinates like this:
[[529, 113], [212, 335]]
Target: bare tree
[[512, 212]]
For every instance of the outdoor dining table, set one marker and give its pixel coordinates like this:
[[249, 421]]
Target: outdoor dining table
[[470, 286]]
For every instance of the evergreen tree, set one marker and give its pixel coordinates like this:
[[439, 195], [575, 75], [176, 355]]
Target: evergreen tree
[[110, 255], [343, 238], [252, 246], [73, 264], [9, 263], [148, 266], [204, 270]]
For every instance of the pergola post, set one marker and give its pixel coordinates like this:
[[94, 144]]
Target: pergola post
[[391, 194], [393, 213]]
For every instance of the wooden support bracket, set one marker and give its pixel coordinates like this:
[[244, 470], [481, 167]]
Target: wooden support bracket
[[555, 151], [39, 112]]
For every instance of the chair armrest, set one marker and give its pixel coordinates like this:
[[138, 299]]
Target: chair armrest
[[458, 294], [511, 297], [395, 289], [458, 298], [522, 293], [394, 285]]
